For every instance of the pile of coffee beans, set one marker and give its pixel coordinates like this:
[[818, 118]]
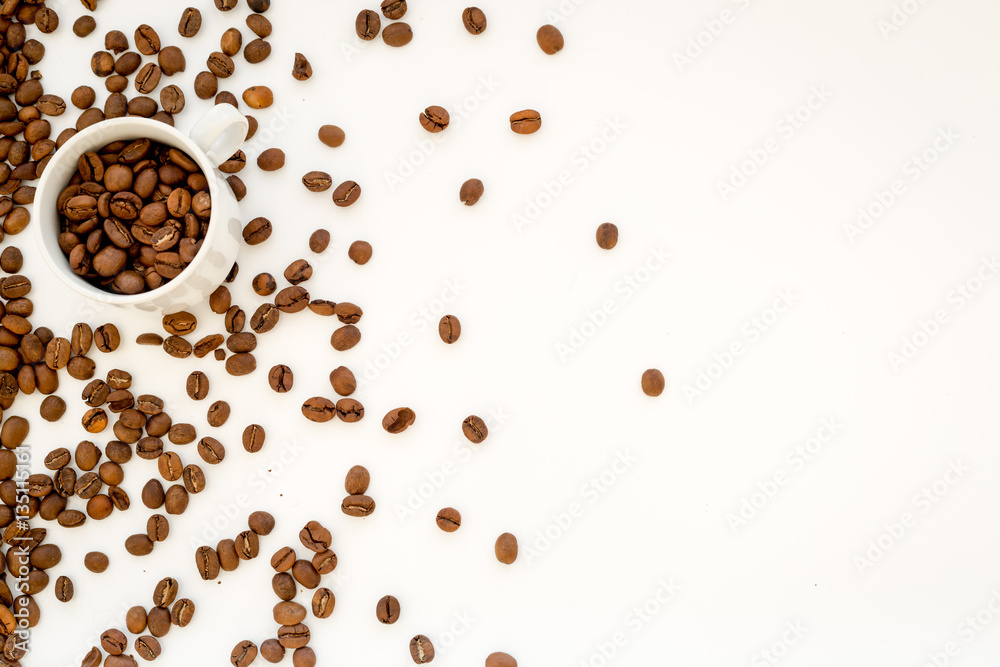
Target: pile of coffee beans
[[134, 215]]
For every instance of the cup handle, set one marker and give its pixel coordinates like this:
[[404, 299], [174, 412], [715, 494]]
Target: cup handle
[[220, 132]]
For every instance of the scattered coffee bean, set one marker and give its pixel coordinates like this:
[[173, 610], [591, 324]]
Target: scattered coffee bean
[[607, 236], [258, 97], [190, 22], [182, 613], [398, 420], [346, 193], [262, 523], [271, 649], [280, 378], [206, 85], [52, 408], [387, 610], [367, 24], [301, 69], [525, 122], [474, 428], [218, 414], [64, 589], [231, 42], [319, 239], [256, 51], [358, 505], [500, 659], [449, 519], [474, 20], [471, 191], [242, 363], [317, 181], [288, 613], [343, 381], [323, 603], [345, 338], [550, 39], [506, 548], [303, 657], [139, 545], [271, 159], [259, 25], [257, 231], [148, 647], [96, 562], [360, 252], [357, 480], [434, 119], [331, 135], [653, 382], [135, 620], [397, 34], [84, 25], [253, 438], [449, 329], [421, 649], [207, 561]]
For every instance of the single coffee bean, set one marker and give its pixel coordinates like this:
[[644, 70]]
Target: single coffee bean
[[229, 560], [298, 271], [317, 181], [235, 319], [398, 420], [263, 284], [243, 654], [96, 562], [293, 636], [393, 9], [256, 51], [474, 20], [157, 528], [500, 659], [346, 193], [607, 236], [387, 610], [550, 39], [165, 592], [148, 647], [231, 42], [345, 338], [182, 434], [303, 656], [264, 318], [319, 239], [211, 450], [525, 122], [449, 329], [471, 191], [218, 413], [158, 622], [11, 259], [449, 519], [323, 603], [180, 323], [207, 562], [304, 573], [343, 381], [114, 641], [176, 500], [271, 159], [242, 342], [325, 562], [301, 69], [242, 363], [257, 231], [350, 410], [288, 613], [190, 22], [247, 545], [253, 438], [146, 40], [360, 252], [397, 34], [259, 25], [653, 382], [474, 428], [261, 523], [292, 299], [271, 649], [139, 545], [206, 85], [357, 480], [258, 97], [283, 559], [280, 378], [367, 24], [434, 119], [135, 620], [421, 649], [171, 60], [84, 25], [53, 408], [506, 548], [182, 613], [319, 409], [315, 537], [225, 5], [358, 505], [220, 64]]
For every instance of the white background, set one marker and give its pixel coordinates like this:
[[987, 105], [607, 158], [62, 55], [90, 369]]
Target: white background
[[524, 289]]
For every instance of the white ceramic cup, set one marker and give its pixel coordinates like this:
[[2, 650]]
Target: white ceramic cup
[[215, 138]]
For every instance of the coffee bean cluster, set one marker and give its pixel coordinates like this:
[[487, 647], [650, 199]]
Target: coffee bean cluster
[[133, 216], [226, 556]]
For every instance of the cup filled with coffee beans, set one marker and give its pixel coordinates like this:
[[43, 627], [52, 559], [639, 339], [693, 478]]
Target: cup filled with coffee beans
[[131, 212]]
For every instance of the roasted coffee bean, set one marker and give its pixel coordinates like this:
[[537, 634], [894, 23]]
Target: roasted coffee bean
[[280, 378], [357, 480], [323, 603], [360, 252], [220, 300], [176, 500], [421, 649], [177, 347], [347, 312], [172, 99], [220, 64], [607, 236], [157, 528], [158, 621], [165, 592], [550, 40], [180, 323], [190, 22], [235, 319], [271, 649], [474, 20], [272, 159], [139, 545], [331, 135], [315, 537], [397, 34], [11, 259], [218, 413], [319, 409], [261, 523], [525, 122], [84, 25], [263, 284], [146, 40], [304, 573], [259, 25], [506, 548], [653, 382], [449, 519], [207, 562], [95, 420], [322, 307], [325, 562], [471, 191], [253, 438], [257, 231], [256, 51], [193, 478], [387, 610], [288, 613], [474, 428], [301, 68], [53, 408], [243, 654], [265, 318], [242, 342], [211, 450], [367, 24], [449, 329], [258, 97], [114, 642], [182, 434], [292, 299], [293, 636], [247, 545], [298, 271], [434, 119], [319, 239], [346, 193], [345, 338], [135, 620], [96, 562], [241, 364], [317, 181], [500, 659], [358, 505], [231, 42], [206, 85], [398, 420], [283, 559], [148, 647], [182, 613], [228, 558]]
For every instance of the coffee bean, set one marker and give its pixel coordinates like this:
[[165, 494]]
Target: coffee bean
[[218, 413], [398, 420], [367, 25], [148, 647], [180, 323], [474, 20], [256, 51], [474, 428], [323, 603], [107, 338], [471, 191], [94, 420], [176, 500], [264, 318], [304, 573], [165, 592], [231, 43], [157, 528], [114, 642], [243, 654], [301, 69], [325, 562], [182, 613], [449, 519], [139, 545], [319, 409], [525, 122], [298, 271], [550, 39], [84, 25], [147, 79], [171, 60], [207, 562], [653, 382], [345, 338], [211, 450], [322, 307], [271, 649], [280, 378], [315, 537], [271, 159], [258, 97], [387, 610], [293, 636], [259, 25], [253, 438], [206, 85], [229, 560], [235, 319], [397, 34], [346, 193], [449, 329], [135, 620], [220, 64], [357, 480], [283, 559], [261, 523], [257, 231], [11, 259], [226, 5], [247, 545], [288, 613], [319, 239], [357, 505], [360, 252], [52, 408], [350, 410], [158, 621], [146, 40], [236, 184], [96, 562], [317, 181], [292, 299], [506, 548], [242, 342], [421, 649], [303, 657], [500, 659], [434, 119], [607, 236], [190, 22], [242, 363]]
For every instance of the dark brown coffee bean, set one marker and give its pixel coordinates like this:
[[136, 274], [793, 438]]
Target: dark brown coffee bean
[[241, 364], [95, 420], [235, 320], [218, 413], [474, 20], [259, 25], [325, 562], [231, 42], [550, 40], [367, 24], [301, 68], [148, 647], [237, 186], [172, 99], [271, 649], [449, 519], [323, 603], [358, 505], [139, 545], [157, 528], [211, 450], [360, 252], [283, 559], [293, 636], [434, 119], [315, 537], [350, 410], [607, 236], [288, 613], [165, 592], [107, 338], [421, 649], [96, 562], [228, 558], [319, 409], [331, 135], [387, 610], [653, 382], [220, 64], [345, 338], [243, 654], [292, 299], [171, 60], [398, 420], [525, 122], [357, 480], [53, 408], [264, 318], [176, 500], [182, 613], [298, 271], [177, 347], [114, 642], [256, 51], [190, 22], [449, 329], [158, 621], [261, 523], [226, 5], [180, 323], [147, 79], [317, 181], [207, 562], [146, 40], [253, 438], [247, 545], [304, 573], [257, 231], [135, 620], [397, 34], [322, 307], [506, 548], [471, 191], [280, 378], [206, 85], [347, 312], [84, 25], [474, 428], [193, 478], [182, 434], [271, 159]]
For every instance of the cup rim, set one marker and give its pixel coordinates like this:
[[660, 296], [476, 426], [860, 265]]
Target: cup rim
[[180, 141]]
